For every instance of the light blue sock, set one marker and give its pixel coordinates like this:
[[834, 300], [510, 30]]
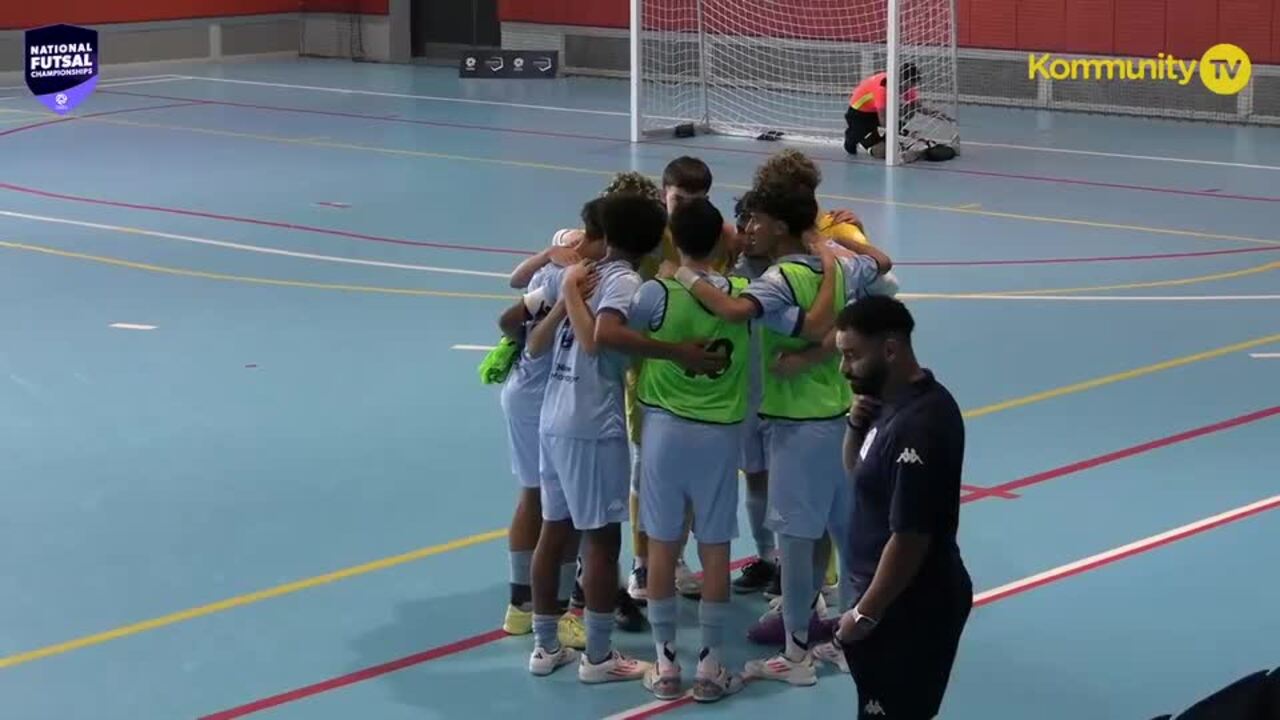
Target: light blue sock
[[711, 617], [662, 616], [521, 560], [599, 635], [797, 588], [757, 505], [568, 575], [546, 632]]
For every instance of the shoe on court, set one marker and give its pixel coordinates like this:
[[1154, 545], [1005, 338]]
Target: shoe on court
[[517, 621], [638, 585], [687, 584], [755, 577], [770, 629], [543, 662], [828, 653], [578, 600], [615, 668], [627, 616], [571, 632], [712, 687], [783, 669], [775, 585], [664, 682]]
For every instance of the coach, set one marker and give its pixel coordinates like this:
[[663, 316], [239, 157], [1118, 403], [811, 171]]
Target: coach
[[904, 450]]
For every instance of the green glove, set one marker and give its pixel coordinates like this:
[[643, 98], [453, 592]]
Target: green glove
[[498, 362]]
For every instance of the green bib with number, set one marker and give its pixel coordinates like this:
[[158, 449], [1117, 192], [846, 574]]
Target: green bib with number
[[820, 392], [719, 398]]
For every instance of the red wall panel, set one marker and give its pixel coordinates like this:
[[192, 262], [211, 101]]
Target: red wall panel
[[1041, 24], [1140, 27], [1091, 26], [992, 24], [24, 14], [1192, 27], [962, 22], [1246, 23], [1275, 33]]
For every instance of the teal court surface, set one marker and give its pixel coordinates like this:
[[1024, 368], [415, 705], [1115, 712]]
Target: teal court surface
[[248, 468]]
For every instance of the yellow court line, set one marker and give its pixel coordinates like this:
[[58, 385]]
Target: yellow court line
[[476, 539], [247, 279], [1265, 267], [249, 598], [1120, 376], [609, 173]]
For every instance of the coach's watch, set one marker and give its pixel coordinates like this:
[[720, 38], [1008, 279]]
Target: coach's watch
[[864, 621]]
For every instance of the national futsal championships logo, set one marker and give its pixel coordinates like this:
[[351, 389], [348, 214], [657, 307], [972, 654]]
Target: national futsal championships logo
[[1224, 69], [61, 65]]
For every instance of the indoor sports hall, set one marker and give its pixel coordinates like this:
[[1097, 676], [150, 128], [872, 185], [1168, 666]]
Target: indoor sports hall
[[248, 468]]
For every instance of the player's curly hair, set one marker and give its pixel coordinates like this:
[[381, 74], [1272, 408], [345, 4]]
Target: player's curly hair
[[788, 167], [634, 183]]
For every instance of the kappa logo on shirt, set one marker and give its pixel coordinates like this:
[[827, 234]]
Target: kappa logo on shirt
[[873, 708], [616, 506], [910, 457]]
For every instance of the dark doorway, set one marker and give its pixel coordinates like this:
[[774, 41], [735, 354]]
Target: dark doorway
[[440, 28]]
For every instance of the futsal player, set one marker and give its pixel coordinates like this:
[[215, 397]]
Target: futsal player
[[584, 454], [804, 414], [904, 448], [867, 104], [521, 399], [691, 441]]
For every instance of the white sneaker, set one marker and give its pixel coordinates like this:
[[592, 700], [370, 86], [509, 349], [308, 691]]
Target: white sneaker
[[543, 662], [783, 669], [638, 585], [687, 584], [663, 680], [615, 668], [828, 653], [710, 686], [775, 608]]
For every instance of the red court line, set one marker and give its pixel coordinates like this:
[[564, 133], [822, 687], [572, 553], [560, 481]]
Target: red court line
[[513, 251], [601, 138], [1057, 574], [1003, 490], [997, 490], [73, 118], [369, 673]]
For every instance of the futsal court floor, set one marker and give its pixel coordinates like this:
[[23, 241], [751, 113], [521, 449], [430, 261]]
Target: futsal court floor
[[248, 468]]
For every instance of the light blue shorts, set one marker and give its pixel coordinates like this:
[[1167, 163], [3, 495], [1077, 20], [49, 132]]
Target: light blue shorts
[[808, 490], [689, 464], [585, 481], [522, 440], [755, 458]]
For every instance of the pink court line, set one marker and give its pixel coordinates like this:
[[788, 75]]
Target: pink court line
[[1048, 577], [369, 673], [1004, 489], [513, 251], [581, 136], [72, 118]]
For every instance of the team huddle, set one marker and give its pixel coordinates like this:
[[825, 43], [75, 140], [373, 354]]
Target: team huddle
[[658, 353]]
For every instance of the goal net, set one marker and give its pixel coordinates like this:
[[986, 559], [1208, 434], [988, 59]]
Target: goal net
[[786, 68]]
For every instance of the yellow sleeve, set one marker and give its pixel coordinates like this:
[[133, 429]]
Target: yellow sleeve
[[841, 232]]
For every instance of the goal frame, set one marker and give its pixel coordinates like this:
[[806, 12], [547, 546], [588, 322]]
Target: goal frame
[[894, 154]]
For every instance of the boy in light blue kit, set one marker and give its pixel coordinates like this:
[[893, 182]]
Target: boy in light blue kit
[[585, 465], [522, 405], [803, 412]]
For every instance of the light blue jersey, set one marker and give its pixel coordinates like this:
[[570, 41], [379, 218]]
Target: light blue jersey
[[779, 311], [649, 307], [584, 397], [523, 391]]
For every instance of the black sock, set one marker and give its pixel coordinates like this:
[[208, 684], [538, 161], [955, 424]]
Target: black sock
[[521, 595]]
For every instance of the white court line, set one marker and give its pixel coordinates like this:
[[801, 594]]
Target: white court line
[[433, 98], [1062, 572], [1097, 153], [484, 348], [1086, 298], [103, 82], [254, 248], [1265, 356], [150, 81], [131, 326]]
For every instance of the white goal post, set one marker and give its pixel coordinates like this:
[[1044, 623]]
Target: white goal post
[[785, 69]]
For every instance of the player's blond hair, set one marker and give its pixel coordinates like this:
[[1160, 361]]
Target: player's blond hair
[[789, 167], [633, 182]]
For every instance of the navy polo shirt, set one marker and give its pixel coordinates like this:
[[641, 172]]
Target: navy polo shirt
[[908, 480]]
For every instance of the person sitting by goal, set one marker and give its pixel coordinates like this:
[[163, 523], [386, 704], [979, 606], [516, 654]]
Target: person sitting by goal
[[866, 113]]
